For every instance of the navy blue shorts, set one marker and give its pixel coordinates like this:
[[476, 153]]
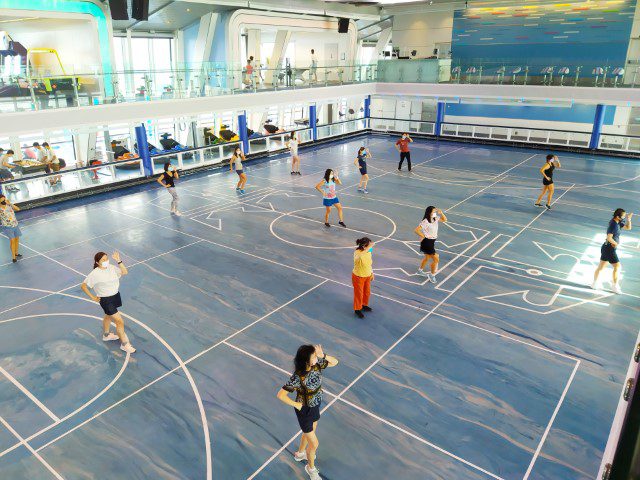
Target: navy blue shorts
[[363, 170], [330, 202], [307, 416], [239, 172], [608, 254], [428, 246], [111, 304]]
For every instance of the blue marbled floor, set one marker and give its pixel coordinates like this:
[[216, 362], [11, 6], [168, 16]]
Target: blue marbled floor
[[458, 381]]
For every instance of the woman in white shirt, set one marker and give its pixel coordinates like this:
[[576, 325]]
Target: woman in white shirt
[[428, 232], [292, 145], [104, 279]]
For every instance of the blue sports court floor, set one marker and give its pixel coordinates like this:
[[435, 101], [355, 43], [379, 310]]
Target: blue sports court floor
[[510, 368]]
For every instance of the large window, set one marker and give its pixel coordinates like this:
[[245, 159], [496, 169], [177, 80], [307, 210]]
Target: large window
[[151, 62]]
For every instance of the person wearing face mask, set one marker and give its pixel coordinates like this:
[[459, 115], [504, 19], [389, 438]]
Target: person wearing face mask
[[104, 279], [402, 146], [306, 383], [236, 160], [609, 250], [292, 145], [168, 180], [9, 226], [327, 187], [361, 163], [428, 232], [362, 276]]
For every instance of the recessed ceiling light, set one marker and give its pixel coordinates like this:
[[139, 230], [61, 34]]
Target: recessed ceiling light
[[188, 9]]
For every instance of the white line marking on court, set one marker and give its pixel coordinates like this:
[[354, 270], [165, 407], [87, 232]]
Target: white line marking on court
[[553, 417], [30, 448], [378, 360], [370, 414], [30, 395], [531, 222]]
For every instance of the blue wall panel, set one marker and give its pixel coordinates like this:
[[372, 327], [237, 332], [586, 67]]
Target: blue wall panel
[[575, 114], [590, 34]]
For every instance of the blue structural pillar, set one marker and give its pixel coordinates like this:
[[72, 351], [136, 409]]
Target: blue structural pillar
[[143, 150], [367, 106], [242, 126], [313, 122], [440, 108], [598, 121]]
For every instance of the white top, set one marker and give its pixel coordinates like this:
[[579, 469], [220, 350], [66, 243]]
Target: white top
[[41, 155], [51, 156], [314, 60], [430, 229], [105, 282], [293, 146]]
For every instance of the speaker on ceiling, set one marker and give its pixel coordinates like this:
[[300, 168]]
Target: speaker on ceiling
[[140, 9], [343, 25], [118, 9]]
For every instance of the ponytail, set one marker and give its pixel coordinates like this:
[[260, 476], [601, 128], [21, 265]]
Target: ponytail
[[362, 243]]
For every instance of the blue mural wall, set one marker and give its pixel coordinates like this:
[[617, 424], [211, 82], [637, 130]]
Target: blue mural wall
[[590, 34], [575, 114]]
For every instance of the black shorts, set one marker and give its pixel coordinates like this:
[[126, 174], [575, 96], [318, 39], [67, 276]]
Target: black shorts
[[608, 254], [239, 172], [307, 416], [110, 304], [428, 246], [547, 182], [363, 170]]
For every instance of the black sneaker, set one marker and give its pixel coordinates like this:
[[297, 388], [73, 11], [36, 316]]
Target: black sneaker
[[366, 308], [359, 313], [293, 173], [342, 224], [327, 224], [538, 204], [19, 255], [298, 173], [15, 260], [548, 206]]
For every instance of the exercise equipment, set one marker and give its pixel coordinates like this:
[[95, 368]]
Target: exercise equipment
[[227, 135], [597, 72], [618, 72], [562, 71], [547, 73], [500, 72]]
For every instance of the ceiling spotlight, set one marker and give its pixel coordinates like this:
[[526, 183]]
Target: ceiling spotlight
[[430, 2]]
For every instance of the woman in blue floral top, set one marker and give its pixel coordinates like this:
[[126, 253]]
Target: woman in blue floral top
[[306, 382]]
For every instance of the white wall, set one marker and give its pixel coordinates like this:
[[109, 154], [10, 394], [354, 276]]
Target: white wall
[[76, 41], [422, 31]]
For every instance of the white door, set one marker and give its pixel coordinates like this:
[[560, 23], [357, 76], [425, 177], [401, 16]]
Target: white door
[[330, 61]]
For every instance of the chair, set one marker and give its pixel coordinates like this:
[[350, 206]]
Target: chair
[[548, 73], [515, 73], [618, 72]]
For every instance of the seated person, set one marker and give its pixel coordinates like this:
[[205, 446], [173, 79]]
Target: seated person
[[228, 135], [271, 129], [40, 153], [53, 163], [6, 165]]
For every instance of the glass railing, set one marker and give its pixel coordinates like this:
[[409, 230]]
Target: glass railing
[[32, 180], [40, 92], [505, 73]]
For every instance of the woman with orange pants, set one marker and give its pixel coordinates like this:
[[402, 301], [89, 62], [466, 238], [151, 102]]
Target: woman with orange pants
[[362, 276]]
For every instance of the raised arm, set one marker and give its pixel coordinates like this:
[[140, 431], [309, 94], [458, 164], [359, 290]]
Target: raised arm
[[443, 217], [336, 179], [628, 224], [557, 162], [123, 269]]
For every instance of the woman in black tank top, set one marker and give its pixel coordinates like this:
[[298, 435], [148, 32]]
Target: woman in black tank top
[[547, 179]]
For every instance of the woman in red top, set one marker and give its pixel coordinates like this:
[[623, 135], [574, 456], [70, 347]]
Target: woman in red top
[[402, 146]]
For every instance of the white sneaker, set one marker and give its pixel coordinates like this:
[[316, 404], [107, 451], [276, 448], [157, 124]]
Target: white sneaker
[[300, 456], [127, 347], [432, 278], [594, 286], [422, 272], [109, 337], [617, 289], [312, 472], [177, 213], [360, 189]]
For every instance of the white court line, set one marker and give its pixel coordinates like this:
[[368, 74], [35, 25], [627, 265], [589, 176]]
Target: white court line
[[30, 395], [77, 410], [30, 448], [395, 171], [553, 417], [545, 210], [183, 366], [373, 415], [378, 360]]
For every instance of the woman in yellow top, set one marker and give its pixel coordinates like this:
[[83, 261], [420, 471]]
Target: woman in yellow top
[[362, 276]]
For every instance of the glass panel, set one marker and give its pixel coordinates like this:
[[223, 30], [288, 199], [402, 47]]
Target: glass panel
[[210, 155]]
